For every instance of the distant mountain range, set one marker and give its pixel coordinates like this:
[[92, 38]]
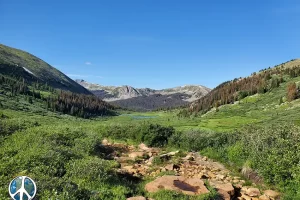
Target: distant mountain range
[[17, 63], [145, 98]]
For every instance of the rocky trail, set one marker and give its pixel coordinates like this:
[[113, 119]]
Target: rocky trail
[[187, 173]]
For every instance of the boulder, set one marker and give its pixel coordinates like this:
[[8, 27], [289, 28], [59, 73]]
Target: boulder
[[190, 186], [223, 194], [253, 192], [264, 197], [272, 194], [227, 187], [245, 197]]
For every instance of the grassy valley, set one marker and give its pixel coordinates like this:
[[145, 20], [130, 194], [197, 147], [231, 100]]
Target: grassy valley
[[56, 136]]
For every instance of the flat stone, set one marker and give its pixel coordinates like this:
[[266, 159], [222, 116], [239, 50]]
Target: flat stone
[[188, 186], [137, 198]]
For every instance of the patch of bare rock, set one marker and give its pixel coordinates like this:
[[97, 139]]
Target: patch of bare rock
[[189, 175], [189, 186]]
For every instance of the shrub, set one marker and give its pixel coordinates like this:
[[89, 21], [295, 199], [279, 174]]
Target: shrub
[[157, 135], [151, 134]]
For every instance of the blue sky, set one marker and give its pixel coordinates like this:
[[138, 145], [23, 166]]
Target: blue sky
[[154, 43]]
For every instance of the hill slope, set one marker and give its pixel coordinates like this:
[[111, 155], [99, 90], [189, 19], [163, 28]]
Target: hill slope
[[258, 83], [29, 84], [145, 99], [18, 63]]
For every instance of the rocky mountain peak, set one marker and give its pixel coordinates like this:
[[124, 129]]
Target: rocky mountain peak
[[146, 98]]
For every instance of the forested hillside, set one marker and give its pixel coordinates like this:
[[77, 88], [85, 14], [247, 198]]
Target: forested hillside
[[239, 88], [26, 78]]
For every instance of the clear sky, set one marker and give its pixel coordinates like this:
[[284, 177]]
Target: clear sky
[[154, 43]]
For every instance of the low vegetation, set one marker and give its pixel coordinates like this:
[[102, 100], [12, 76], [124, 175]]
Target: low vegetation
[[54, 136]]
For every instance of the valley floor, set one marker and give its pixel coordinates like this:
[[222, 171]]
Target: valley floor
[[257, 134]]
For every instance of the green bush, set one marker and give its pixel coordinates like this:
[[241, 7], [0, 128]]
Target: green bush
[[151, 134], [157, 136]]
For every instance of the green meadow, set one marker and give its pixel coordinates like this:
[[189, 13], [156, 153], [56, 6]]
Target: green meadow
[[61, 152]]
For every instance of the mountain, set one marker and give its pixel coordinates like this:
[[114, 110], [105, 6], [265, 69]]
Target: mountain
[[27, 83], [18, 63], [264, 81], [144, 99]]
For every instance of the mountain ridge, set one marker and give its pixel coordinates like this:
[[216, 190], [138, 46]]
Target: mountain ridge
[[146, 99], [139, 91], [16, 62]]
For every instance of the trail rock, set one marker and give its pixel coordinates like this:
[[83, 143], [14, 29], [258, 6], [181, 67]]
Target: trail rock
[[253, 192], [190, 186], [223, 194], [137, 198], [264, 197], [144, 147], [220, 177], [227, 187], [173, 153], [136, 154], [272, 194], [189, 156], [130, 169], [211, 175], [245, 197]]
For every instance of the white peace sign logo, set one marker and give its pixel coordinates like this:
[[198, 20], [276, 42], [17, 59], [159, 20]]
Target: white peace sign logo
[[22, 188]]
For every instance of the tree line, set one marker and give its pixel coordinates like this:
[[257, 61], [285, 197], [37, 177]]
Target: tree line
[[66, 102]]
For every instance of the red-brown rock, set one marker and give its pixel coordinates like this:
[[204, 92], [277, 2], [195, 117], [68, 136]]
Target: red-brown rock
[[190, 186]]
